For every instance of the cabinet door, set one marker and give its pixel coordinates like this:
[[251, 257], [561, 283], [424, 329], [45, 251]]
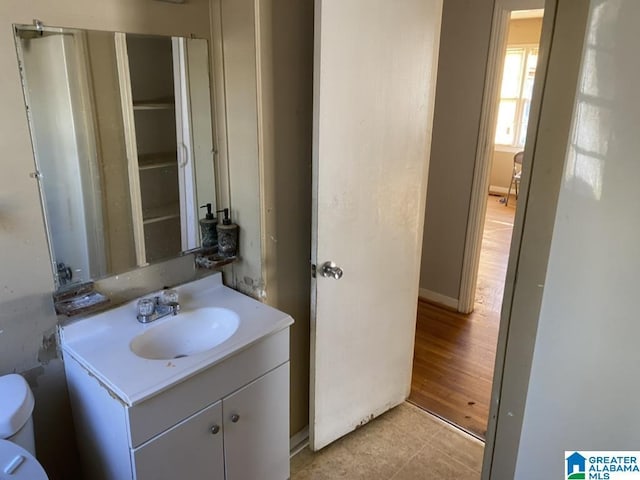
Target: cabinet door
[[190, 450], [256, 428]]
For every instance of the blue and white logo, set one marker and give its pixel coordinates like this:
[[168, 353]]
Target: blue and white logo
[[576, 466], [601, 465]]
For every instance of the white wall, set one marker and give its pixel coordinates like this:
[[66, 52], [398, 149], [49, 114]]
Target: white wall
[[245, 177], [501, 171], [464, 46], [268, 59], [286, 86], [583, 387]]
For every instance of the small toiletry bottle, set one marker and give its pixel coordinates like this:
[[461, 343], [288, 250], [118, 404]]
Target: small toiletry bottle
[[208, 228], [227, 236]]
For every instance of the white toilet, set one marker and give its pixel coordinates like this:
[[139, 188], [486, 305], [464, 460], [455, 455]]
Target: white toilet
[[17, 444]]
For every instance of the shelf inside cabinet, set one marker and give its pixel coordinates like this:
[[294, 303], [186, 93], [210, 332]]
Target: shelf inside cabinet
[[154, 104], [161, 213], [148, 161]]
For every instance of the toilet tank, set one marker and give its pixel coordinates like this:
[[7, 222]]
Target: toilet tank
[[16, 408]]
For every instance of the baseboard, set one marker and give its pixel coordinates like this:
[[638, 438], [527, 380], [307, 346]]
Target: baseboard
[[500, 190], [438, 298], [298, 441]]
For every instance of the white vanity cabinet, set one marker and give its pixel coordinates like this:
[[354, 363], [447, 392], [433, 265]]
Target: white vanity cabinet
[[229, 421], [253, 418]]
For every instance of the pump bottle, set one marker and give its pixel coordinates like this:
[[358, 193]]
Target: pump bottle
[[208, 228], [227, 236]]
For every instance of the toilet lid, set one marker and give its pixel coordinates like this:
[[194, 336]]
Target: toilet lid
[[18, 464], [17, 404]]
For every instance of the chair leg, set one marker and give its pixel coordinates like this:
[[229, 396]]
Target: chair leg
[[516, 189], [506, 203]]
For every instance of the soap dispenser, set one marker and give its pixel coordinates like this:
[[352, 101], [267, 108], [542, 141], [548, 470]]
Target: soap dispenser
[[208, 228], [227, 236]]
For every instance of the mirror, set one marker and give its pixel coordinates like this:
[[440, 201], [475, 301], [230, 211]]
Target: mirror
[[121, 128]]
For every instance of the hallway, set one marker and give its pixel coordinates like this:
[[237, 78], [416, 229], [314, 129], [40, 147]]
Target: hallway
[[455, 353]]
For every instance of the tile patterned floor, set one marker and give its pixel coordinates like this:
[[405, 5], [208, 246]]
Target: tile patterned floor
[[405, 443]]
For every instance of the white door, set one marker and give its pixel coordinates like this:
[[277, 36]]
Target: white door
[[375, 72]]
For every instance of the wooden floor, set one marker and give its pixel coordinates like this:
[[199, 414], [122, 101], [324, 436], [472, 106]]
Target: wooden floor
[[455, 353]]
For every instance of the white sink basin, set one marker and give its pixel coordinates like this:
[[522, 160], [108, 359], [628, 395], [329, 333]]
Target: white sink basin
[[135, 361], [186, 334]]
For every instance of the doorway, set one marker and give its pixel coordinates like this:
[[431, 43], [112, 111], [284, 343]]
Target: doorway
[[455, 350]]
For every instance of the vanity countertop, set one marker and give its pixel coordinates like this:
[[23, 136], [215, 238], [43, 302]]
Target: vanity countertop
[[101, 342]]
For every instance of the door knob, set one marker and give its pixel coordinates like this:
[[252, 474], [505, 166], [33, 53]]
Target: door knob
[[215, 429], [330, 269], [235, 417]]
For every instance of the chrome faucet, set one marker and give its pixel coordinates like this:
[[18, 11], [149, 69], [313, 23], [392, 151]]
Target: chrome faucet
[[151, 309]]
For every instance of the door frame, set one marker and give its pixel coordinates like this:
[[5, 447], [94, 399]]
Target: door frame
[[482, 169], [563, 37]]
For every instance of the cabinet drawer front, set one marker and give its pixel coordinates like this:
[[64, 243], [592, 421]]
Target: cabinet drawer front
[[166, 409], [192, 450]]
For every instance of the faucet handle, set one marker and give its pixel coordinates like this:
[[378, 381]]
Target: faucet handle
[[168, 297], [174, 306], [146, 307]]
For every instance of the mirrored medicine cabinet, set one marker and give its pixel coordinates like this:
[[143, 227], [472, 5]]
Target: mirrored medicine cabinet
[[121, 129]]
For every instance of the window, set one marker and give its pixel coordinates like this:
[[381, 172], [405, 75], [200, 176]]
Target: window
[[515, 95]]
